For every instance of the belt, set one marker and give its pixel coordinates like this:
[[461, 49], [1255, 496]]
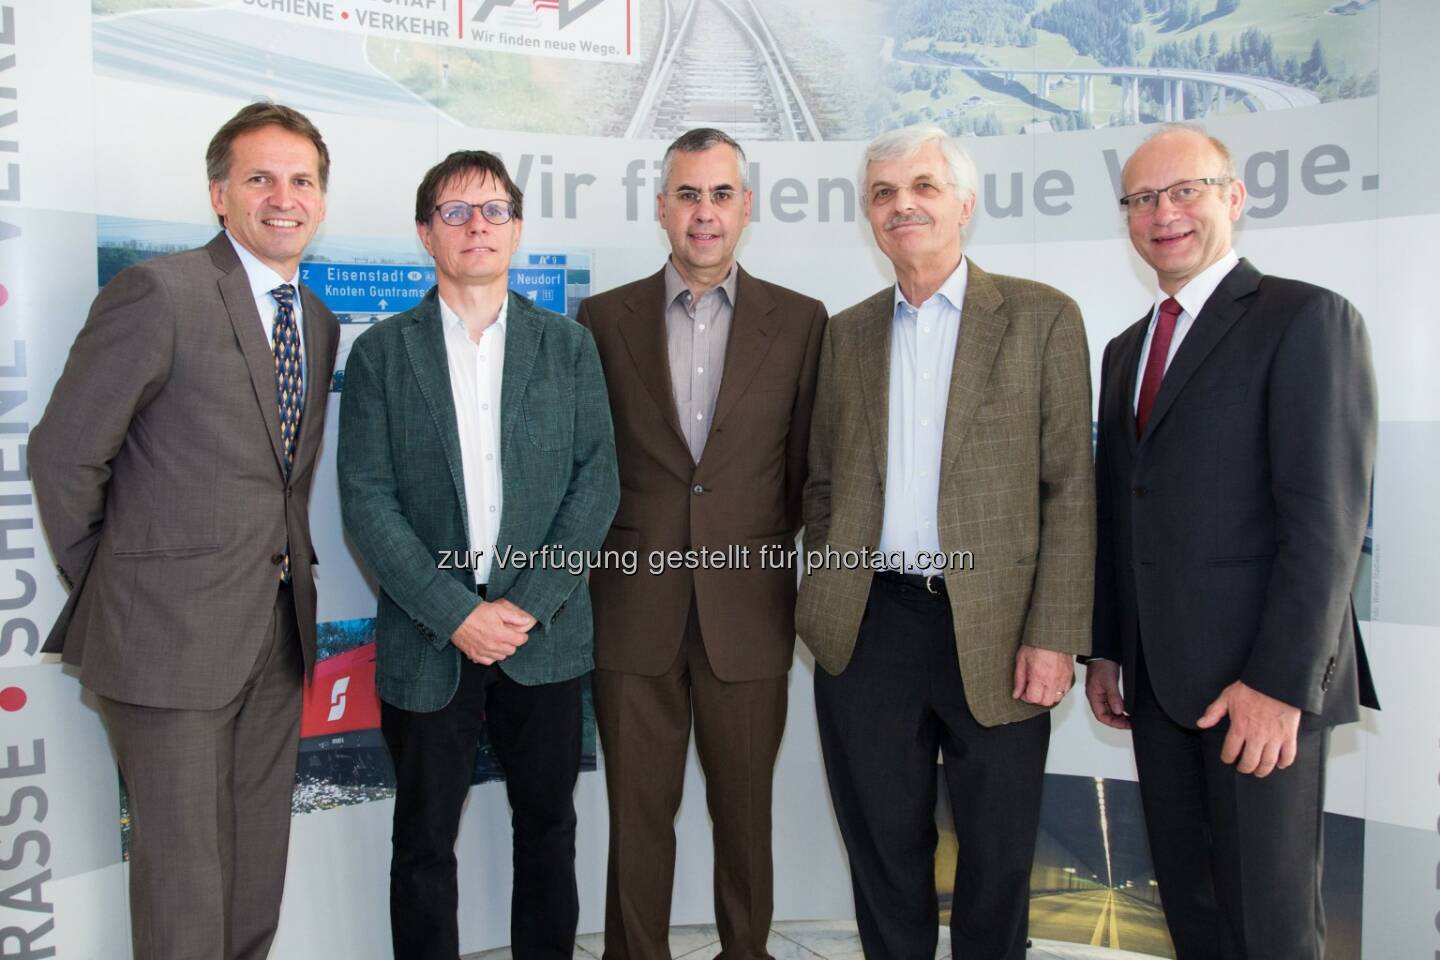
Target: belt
[[932, 585]]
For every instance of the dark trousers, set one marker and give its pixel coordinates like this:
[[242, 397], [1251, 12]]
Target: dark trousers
[[882, 721], [210, 794], [1237, 858], [535, 732], [645, 731]]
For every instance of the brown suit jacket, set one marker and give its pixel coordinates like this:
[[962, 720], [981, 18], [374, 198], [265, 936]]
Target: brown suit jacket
[[1016, 482], [744, 492], [159, 478]]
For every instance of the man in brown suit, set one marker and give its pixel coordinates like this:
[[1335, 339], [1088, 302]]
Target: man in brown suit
[[949, 531], [711, 374], [172, 471]]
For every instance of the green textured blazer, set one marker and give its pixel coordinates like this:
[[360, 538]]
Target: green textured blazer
[[402, 493]]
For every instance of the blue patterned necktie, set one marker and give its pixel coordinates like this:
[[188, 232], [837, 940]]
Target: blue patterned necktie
[[289, 383]]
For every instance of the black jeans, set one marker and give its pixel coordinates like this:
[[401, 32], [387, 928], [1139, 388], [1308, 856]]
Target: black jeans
[[535, 732]]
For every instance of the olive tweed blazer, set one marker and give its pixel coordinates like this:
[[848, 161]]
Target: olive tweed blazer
[[1016, 482]]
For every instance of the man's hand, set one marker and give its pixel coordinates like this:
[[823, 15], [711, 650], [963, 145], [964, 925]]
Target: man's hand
[[1102, 689], [1262, 729], [1042, 677], [492, 631]]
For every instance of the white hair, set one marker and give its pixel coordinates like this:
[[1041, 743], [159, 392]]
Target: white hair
[[908, 141]]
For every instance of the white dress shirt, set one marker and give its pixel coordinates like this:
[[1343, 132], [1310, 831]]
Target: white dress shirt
[[263, 279], [475, 374], [922, 355], [1191, 298]]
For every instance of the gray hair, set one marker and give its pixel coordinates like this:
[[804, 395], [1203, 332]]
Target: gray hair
[[1227, 160], [697, 141], [908, 141]]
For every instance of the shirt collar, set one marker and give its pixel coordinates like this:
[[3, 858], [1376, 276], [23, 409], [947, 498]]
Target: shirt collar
[[262, 277], [953, 290], [1193, 296], [452, 321], [675, 284]]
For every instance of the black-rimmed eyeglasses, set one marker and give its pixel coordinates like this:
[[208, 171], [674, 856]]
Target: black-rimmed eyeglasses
[[457, 213]]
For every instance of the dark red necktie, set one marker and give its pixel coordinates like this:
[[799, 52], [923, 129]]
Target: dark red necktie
[[1155, 362]]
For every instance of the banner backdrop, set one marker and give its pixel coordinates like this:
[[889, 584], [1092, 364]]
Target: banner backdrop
[[105, 110]]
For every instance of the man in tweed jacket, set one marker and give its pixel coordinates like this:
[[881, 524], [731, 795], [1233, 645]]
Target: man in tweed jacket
[[949, 528], [476, 462]]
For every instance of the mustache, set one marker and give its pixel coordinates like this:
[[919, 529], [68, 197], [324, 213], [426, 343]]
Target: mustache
[[900, 219]]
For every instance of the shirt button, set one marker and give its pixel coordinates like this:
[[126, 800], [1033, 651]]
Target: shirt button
[[924, 423], [924, 329], [697, 489], [924, 473], [925, 524], [924, 376], [492, 509], [484, 406], [699, 416], [489, 456], [482, 358], [702, 326], [699, 369]]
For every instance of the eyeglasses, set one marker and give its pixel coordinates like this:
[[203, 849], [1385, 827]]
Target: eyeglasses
[[1181, 194], [720, 197], [921, 189], [457, 213]]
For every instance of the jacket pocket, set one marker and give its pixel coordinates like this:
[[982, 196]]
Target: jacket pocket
[[176, 552]]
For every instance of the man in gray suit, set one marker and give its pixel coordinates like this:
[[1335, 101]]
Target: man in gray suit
[[172, 471], [1236, 442]]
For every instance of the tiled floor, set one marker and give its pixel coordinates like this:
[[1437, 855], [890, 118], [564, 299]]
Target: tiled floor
[[812, 940], [793, 940]]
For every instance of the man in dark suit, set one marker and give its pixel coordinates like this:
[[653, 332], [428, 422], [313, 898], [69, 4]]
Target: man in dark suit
[[711, 374], [476, 465], [951, 438], [1237, 437], [172, 471]]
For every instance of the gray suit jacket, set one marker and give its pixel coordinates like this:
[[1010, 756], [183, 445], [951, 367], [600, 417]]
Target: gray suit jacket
[[1015, 482], [158, 475], [1231, 531], [403, 494]]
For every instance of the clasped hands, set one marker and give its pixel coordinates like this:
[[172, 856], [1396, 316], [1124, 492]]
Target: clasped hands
[[494, 630], [1262, 731]]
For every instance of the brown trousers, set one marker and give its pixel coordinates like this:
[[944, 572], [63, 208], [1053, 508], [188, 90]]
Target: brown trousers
[[644, 725], [210, 794]]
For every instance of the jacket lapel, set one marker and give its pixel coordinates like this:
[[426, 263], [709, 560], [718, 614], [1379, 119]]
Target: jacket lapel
[[982, 326], [874, 359], [425, 345], [522, 342], [250, 334], [750, 340], [1220, 313], [644, 334], [1128, 356]]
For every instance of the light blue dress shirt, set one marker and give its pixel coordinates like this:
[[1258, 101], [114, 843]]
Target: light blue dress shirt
[[922, 355]]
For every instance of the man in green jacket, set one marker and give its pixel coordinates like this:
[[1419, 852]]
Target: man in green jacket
[[477, 468]]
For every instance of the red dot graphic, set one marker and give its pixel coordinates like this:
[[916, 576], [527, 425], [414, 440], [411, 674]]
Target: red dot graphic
[[12, 699], [4, 295], [344, 14]]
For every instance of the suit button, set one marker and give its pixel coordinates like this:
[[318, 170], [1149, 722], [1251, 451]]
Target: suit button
[[697, 489], [277, 558], [1139, 492]]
